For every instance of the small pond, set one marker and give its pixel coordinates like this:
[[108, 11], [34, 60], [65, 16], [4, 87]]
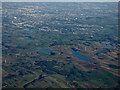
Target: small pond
[[28, 38], [27, 29], [47, 51], [79, 56], [100, 52], [6, 47], [107, 45]]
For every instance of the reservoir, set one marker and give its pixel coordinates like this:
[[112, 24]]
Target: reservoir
[[79, 56]]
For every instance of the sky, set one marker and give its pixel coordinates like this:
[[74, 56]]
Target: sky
[[59, 0]]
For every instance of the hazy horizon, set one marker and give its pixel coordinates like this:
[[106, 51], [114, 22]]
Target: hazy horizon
[[60, 1]]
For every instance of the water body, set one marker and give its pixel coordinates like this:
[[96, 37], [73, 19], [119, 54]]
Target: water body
[[27, 37], [55, 50], [46, 51], [6, 47], [74, 53], [89, 40], [27, 29], [106, 45], [100, 52], [79, 56], [113, 66], [30, 40]]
